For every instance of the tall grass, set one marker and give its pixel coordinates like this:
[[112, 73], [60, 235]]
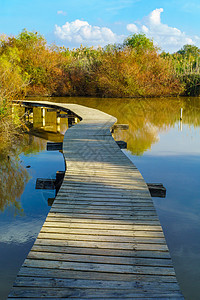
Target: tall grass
[[186, 65]]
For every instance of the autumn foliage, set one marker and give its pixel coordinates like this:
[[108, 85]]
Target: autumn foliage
[[134, 69], [127, 73]]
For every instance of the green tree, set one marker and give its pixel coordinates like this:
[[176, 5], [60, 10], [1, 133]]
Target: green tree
[[140, 42], [189, 50]]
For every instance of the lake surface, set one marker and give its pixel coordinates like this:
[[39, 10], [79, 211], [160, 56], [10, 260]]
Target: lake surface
[[164, 148]]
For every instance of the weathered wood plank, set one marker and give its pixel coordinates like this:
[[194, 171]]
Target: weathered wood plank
[[97, 202], [99, 267], [90, 293], [71, 274], [94, 284], [131, 212], [84, 258], [101, 244], [104, 238], [128, 217], [104, 207], [96, 251], [72, 193], [52, 222], [102, 232], [101, 220]]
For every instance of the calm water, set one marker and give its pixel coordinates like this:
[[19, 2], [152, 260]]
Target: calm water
[[163, 148]]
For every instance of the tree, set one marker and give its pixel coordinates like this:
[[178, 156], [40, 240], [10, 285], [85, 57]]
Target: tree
[[189, 50], [140, 43]]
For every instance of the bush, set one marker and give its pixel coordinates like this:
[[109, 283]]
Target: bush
[[127, 73]]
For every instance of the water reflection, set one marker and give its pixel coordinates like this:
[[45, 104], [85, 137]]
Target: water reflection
[[147, 118], [166, 149], [23, 208], [13, 178], [163, 147]]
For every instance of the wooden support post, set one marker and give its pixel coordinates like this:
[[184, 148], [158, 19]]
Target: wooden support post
[[119, 127], [54, 146], [51, 109], [181, 115], [50, 201], [71, 121], [122, 144], [45, 184], [62, 115], [43, 117], [157, 190], [59, 179], [50, 184]]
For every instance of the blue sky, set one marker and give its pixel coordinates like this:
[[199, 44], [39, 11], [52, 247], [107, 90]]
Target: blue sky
[[171, 23]]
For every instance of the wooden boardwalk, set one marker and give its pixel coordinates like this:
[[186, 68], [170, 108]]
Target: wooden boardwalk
[[102, 238]]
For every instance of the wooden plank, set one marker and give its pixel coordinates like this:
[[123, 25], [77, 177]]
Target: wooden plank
[[99, 267], [109, 232], [77, 195], [128, 218], [109, 214], [99, 202], [92, 237], [101, 244], [52, 222], [90, 293], [85, 258], [113, 208], [96, 251], [106, 219], [45, 272], [126, 213], [94, 284]]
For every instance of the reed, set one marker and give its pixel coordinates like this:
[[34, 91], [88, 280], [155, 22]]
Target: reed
[[186, 65]]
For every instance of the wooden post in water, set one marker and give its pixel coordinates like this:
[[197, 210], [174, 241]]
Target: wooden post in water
[[181, 118], [58, 123], [43, 117]]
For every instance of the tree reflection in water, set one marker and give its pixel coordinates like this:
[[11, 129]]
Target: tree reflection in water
[[13, 176], [146, 117]]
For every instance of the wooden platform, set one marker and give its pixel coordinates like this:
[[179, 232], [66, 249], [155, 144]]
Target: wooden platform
[[102, 238]]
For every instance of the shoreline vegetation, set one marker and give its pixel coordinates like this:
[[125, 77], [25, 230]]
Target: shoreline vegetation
[[135, 68]]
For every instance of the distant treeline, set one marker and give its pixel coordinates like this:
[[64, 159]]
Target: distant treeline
[[136, 68], [29, 66]]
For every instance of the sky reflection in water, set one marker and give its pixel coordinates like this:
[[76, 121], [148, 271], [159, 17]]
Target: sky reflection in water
[[175, 162], [18, 229], [164, 150]]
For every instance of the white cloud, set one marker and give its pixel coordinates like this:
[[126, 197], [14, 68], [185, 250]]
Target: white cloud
[[61, 12], [18, 232], [132, 28], [168, 38], [81, 32]]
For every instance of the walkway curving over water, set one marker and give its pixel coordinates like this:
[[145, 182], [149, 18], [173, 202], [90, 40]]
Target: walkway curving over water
[[102, 237]]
